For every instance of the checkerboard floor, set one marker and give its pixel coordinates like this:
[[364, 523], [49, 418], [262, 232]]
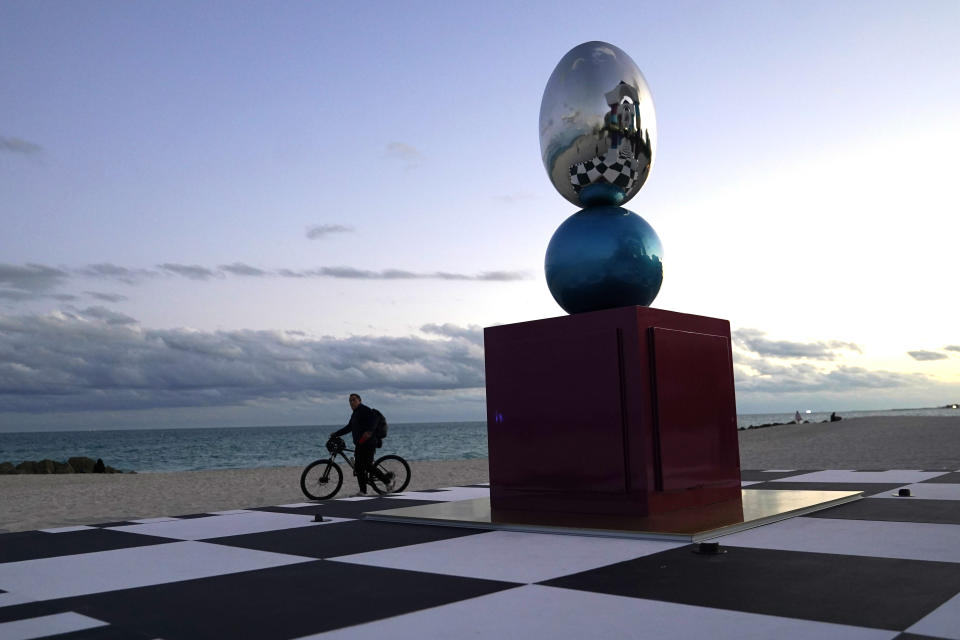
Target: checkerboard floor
[[881, 567]]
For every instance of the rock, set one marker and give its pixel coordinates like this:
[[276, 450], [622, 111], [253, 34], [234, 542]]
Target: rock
[[82, 464], [27, 466], [79, 464], [46, 466]]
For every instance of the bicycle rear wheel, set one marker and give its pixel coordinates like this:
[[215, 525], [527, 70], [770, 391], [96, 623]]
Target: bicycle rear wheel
[[399, 479], [321, 479]]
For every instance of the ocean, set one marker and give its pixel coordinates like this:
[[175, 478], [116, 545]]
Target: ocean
[[151, 450]]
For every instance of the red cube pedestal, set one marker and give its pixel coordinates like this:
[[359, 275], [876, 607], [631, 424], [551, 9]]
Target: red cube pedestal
[[627, 411]]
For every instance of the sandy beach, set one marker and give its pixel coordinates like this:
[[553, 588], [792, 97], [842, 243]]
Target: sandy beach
[[30, 502]]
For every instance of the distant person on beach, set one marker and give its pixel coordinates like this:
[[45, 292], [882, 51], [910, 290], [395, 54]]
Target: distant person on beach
[[834, 417], [796, 417], [362, 425]]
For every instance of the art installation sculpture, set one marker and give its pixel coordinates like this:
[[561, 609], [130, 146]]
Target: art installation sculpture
[[598, 140], [617, 419], [649, 392]]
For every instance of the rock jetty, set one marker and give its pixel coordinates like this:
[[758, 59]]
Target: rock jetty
[[78, 464]]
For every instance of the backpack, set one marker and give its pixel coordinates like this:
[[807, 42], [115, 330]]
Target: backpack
[[381, 429]]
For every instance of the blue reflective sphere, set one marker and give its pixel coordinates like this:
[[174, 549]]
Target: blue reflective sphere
[[603, 258]]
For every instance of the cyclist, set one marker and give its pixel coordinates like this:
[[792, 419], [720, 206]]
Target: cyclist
[[362, 425]]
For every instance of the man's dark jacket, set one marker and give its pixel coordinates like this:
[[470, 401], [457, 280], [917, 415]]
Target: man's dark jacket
[[362, 420]]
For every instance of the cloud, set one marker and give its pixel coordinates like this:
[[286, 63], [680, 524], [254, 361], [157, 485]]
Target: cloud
[[755, 341], [472, 333], [927, 355], [351, 273], [513, 198], [191, 271], [100, 360], [16, 145], [109, 271], [503, 276], [31, 277], [952, 347], [106, 297], [758, 375], [17, 296], [321, 230], [107, 316], [241, 269], [402, 150], [34, 281]]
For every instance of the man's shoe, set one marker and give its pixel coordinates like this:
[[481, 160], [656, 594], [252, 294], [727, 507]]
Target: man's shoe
[[388, 482]]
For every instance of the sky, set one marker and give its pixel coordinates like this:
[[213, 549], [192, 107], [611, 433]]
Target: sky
[[236, 213]]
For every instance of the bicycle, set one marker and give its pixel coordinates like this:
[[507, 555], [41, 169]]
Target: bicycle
[[322, 479]]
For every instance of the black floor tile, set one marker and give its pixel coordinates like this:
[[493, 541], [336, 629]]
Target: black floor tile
[[32, 545], [868, 592], [343, 538], [947, 478], [350, 508], [105, 633], [283, 602], [896, 510]]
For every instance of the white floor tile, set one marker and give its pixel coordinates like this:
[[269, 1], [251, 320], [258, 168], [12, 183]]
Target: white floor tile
[[10, 598], [926, 491], [747, 483], [906, 540], [896, 476], [510, 555], [49, 578], [45, 626], [235, 524], [942, 622], [298, 505], [66, 529], [357, 498], [152, 520], [533, 612]]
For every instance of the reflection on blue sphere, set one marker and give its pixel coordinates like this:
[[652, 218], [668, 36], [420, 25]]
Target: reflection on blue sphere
[[603, 258]]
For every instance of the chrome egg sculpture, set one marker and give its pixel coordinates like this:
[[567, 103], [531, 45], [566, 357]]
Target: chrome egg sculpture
[[598, 129], [598, 140]]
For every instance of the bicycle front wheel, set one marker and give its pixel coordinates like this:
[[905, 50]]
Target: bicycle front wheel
[[321, 479], [397, 472]]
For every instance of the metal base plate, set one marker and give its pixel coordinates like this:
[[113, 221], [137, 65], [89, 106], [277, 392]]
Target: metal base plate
[[756, 507]]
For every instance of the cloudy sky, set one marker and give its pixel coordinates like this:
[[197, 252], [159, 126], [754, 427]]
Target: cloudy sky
[[235, 213]]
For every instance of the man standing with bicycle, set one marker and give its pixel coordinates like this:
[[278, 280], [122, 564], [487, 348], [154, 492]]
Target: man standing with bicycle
[[363, 425]]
